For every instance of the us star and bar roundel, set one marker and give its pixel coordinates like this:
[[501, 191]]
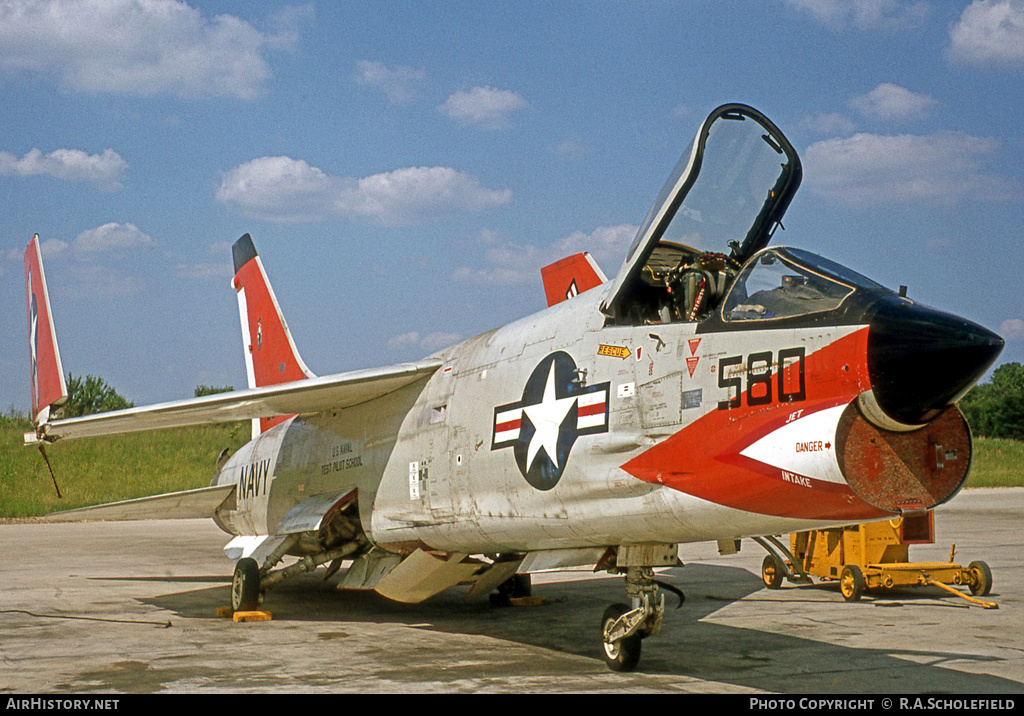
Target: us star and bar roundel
[[556, 408]]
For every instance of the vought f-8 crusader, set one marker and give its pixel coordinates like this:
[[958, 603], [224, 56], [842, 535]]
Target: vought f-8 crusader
[[715, 388]]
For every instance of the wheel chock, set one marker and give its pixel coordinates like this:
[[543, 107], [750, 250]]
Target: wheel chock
[[255, 616]]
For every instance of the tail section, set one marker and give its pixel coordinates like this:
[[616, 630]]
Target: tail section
[[49, 390], [270, 353], [571, 276]]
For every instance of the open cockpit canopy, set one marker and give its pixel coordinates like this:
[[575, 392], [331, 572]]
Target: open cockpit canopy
[[719, 207]]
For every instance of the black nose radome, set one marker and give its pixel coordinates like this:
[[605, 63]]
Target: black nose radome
[[921, 360]]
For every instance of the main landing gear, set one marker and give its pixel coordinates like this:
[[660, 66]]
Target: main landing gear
[[250, 580], [624, 627], [245, 586]]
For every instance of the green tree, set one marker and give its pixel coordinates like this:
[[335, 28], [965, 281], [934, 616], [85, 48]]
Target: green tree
[[996, 409], [91, 395], [202, 390]]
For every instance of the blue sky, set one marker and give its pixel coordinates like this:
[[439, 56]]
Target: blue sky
[[406, 168]]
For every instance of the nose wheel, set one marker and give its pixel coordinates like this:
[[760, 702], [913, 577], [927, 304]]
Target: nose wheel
[[621, 654], [624, 627]]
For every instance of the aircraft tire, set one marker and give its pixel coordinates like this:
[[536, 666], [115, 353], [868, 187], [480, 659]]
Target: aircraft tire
[[245, 585], [772, 571], [851, 582], [982, 583], [622, 654], [516, 586]]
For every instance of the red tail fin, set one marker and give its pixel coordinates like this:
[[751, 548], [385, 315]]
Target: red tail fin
[[270, 353], [48, 388], [571, 276]]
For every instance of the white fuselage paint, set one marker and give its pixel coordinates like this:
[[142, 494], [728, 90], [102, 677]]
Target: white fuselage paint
[[423, 462]]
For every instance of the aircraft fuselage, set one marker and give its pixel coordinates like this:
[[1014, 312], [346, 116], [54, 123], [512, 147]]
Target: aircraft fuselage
[[559, 431]]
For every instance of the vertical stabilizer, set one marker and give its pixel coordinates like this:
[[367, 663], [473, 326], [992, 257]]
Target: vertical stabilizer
[[270, 353], [571, 276], [48, 388]]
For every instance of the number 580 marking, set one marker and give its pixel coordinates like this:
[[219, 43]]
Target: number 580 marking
[[789, 386]]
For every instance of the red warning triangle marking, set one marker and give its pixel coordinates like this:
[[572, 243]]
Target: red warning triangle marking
[[691, 364]]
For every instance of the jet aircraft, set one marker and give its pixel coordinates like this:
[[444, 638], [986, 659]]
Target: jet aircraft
[[716, 388]]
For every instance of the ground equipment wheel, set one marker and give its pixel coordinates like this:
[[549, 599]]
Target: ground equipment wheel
[[982, 582], [851, 582], [621, 654], [772, 571], [245, 585]]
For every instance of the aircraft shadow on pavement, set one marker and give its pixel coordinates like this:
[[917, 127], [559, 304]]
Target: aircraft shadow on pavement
[[690, 644]]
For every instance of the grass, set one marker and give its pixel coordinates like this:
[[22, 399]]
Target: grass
[[997, 463], [96, 470]]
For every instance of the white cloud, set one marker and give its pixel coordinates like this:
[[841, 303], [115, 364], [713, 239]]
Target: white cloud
[[890, 101], [865, 14], [137, 47], [483, 106], [112, 237], [1012, 329], [97, 255], [91, 242], [104, 170], [397, 83], [830, 123], [868, 169], [990, 32], [204, 271], [431, 342], [285, 189], [510, 264]]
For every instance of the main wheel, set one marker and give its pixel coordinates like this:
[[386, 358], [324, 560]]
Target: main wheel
[[772, 571], [516, 586], [982, 582], [851, 582], [245, 585], [621, 654]]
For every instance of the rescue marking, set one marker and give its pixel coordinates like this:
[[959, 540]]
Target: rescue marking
[[555, 410], [613, 351]]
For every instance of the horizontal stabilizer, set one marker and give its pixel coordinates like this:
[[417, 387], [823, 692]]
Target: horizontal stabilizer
[[331, 392], [189, 504]]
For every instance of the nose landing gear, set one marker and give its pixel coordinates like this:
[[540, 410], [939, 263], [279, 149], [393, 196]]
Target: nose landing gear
[[623, 627]]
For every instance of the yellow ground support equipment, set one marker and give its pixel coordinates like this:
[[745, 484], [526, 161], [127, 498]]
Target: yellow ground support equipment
[[874, 555]]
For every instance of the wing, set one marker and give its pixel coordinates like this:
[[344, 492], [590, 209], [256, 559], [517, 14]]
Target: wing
[[331, 392]]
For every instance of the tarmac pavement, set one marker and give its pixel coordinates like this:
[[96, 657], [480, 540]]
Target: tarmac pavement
[[101, 608]]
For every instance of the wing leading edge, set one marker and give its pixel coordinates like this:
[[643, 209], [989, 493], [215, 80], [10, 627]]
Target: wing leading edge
[[332, 392]]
